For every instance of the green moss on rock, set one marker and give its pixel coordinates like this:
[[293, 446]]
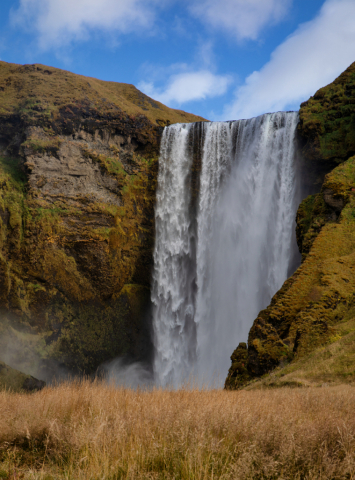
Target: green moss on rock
[[327, 121], [311, 217]]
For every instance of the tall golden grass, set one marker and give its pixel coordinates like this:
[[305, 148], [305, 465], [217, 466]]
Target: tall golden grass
[[88, 430]]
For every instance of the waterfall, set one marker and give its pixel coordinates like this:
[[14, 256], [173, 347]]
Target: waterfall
[[218, 260]]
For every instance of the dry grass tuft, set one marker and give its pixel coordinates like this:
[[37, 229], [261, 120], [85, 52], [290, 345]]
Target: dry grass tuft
[[93, 431]]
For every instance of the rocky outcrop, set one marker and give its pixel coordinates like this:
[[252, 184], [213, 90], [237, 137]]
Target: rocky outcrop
[[305, 311], [15, 381], [78, 168]]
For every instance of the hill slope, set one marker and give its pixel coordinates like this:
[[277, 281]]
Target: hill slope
[[37, 90]]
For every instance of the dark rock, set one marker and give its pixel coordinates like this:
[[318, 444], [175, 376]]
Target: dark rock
[[238, 373], [31, 384]]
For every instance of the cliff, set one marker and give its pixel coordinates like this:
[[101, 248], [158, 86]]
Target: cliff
[[306, 334], [78, 167]]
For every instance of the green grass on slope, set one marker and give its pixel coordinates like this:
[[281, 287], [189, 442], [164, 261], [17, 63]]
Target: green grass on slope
[[331, 364]]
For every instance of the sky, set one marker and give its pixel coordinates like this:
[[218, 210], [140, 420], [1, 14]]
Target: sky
[[220, 59]]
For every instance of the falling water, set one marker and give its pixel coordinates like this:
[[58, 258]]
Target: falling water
[[216, 265]]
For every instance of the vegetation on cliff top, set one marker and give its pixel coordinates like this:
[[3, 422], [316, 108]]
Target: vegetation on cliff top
[[37, 91], [327, 121]]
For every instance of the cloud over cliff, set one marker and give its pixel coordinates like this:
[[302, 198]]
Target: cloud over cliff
[[188, 86], [237, 35], [311, 57]]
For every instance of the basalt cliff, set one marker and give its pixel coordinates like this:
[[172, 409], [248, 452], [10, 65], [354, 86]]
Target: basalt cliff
[[306, 336], [78, 169]]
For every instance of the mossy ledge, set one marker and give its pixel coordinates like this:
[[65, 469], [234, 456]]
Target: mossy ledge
[[78, 170], [309, 312]]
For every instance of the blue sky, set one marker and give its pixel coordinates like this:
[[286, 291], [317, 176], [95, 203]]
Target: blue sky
[[223, 60]]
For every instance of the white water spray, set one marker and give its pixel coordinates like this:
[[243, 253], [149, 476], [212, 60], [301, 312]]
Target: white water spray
[[216, 268]]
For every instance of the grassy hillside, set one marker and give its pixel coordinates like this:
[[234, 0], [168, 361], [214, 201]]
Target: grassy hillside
[[333, 363], [37, 90]]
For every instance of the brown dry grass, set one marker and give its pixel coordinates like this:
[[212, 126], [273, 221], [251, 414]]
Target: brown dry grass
[[92, 431], [24, 86]]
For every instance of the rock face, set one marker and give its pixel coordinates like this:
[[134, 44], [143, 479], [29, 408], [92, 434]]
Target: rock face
[[303, 313], [78, 167]]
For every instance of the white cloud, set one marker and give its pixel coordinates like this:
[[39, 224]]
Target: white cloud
[[58, 22], [310, 58], [188, 86], [242, 18]]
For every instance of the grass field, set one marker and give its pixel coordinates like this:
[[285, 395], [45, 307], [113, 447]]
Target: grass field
[[89, 430]]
